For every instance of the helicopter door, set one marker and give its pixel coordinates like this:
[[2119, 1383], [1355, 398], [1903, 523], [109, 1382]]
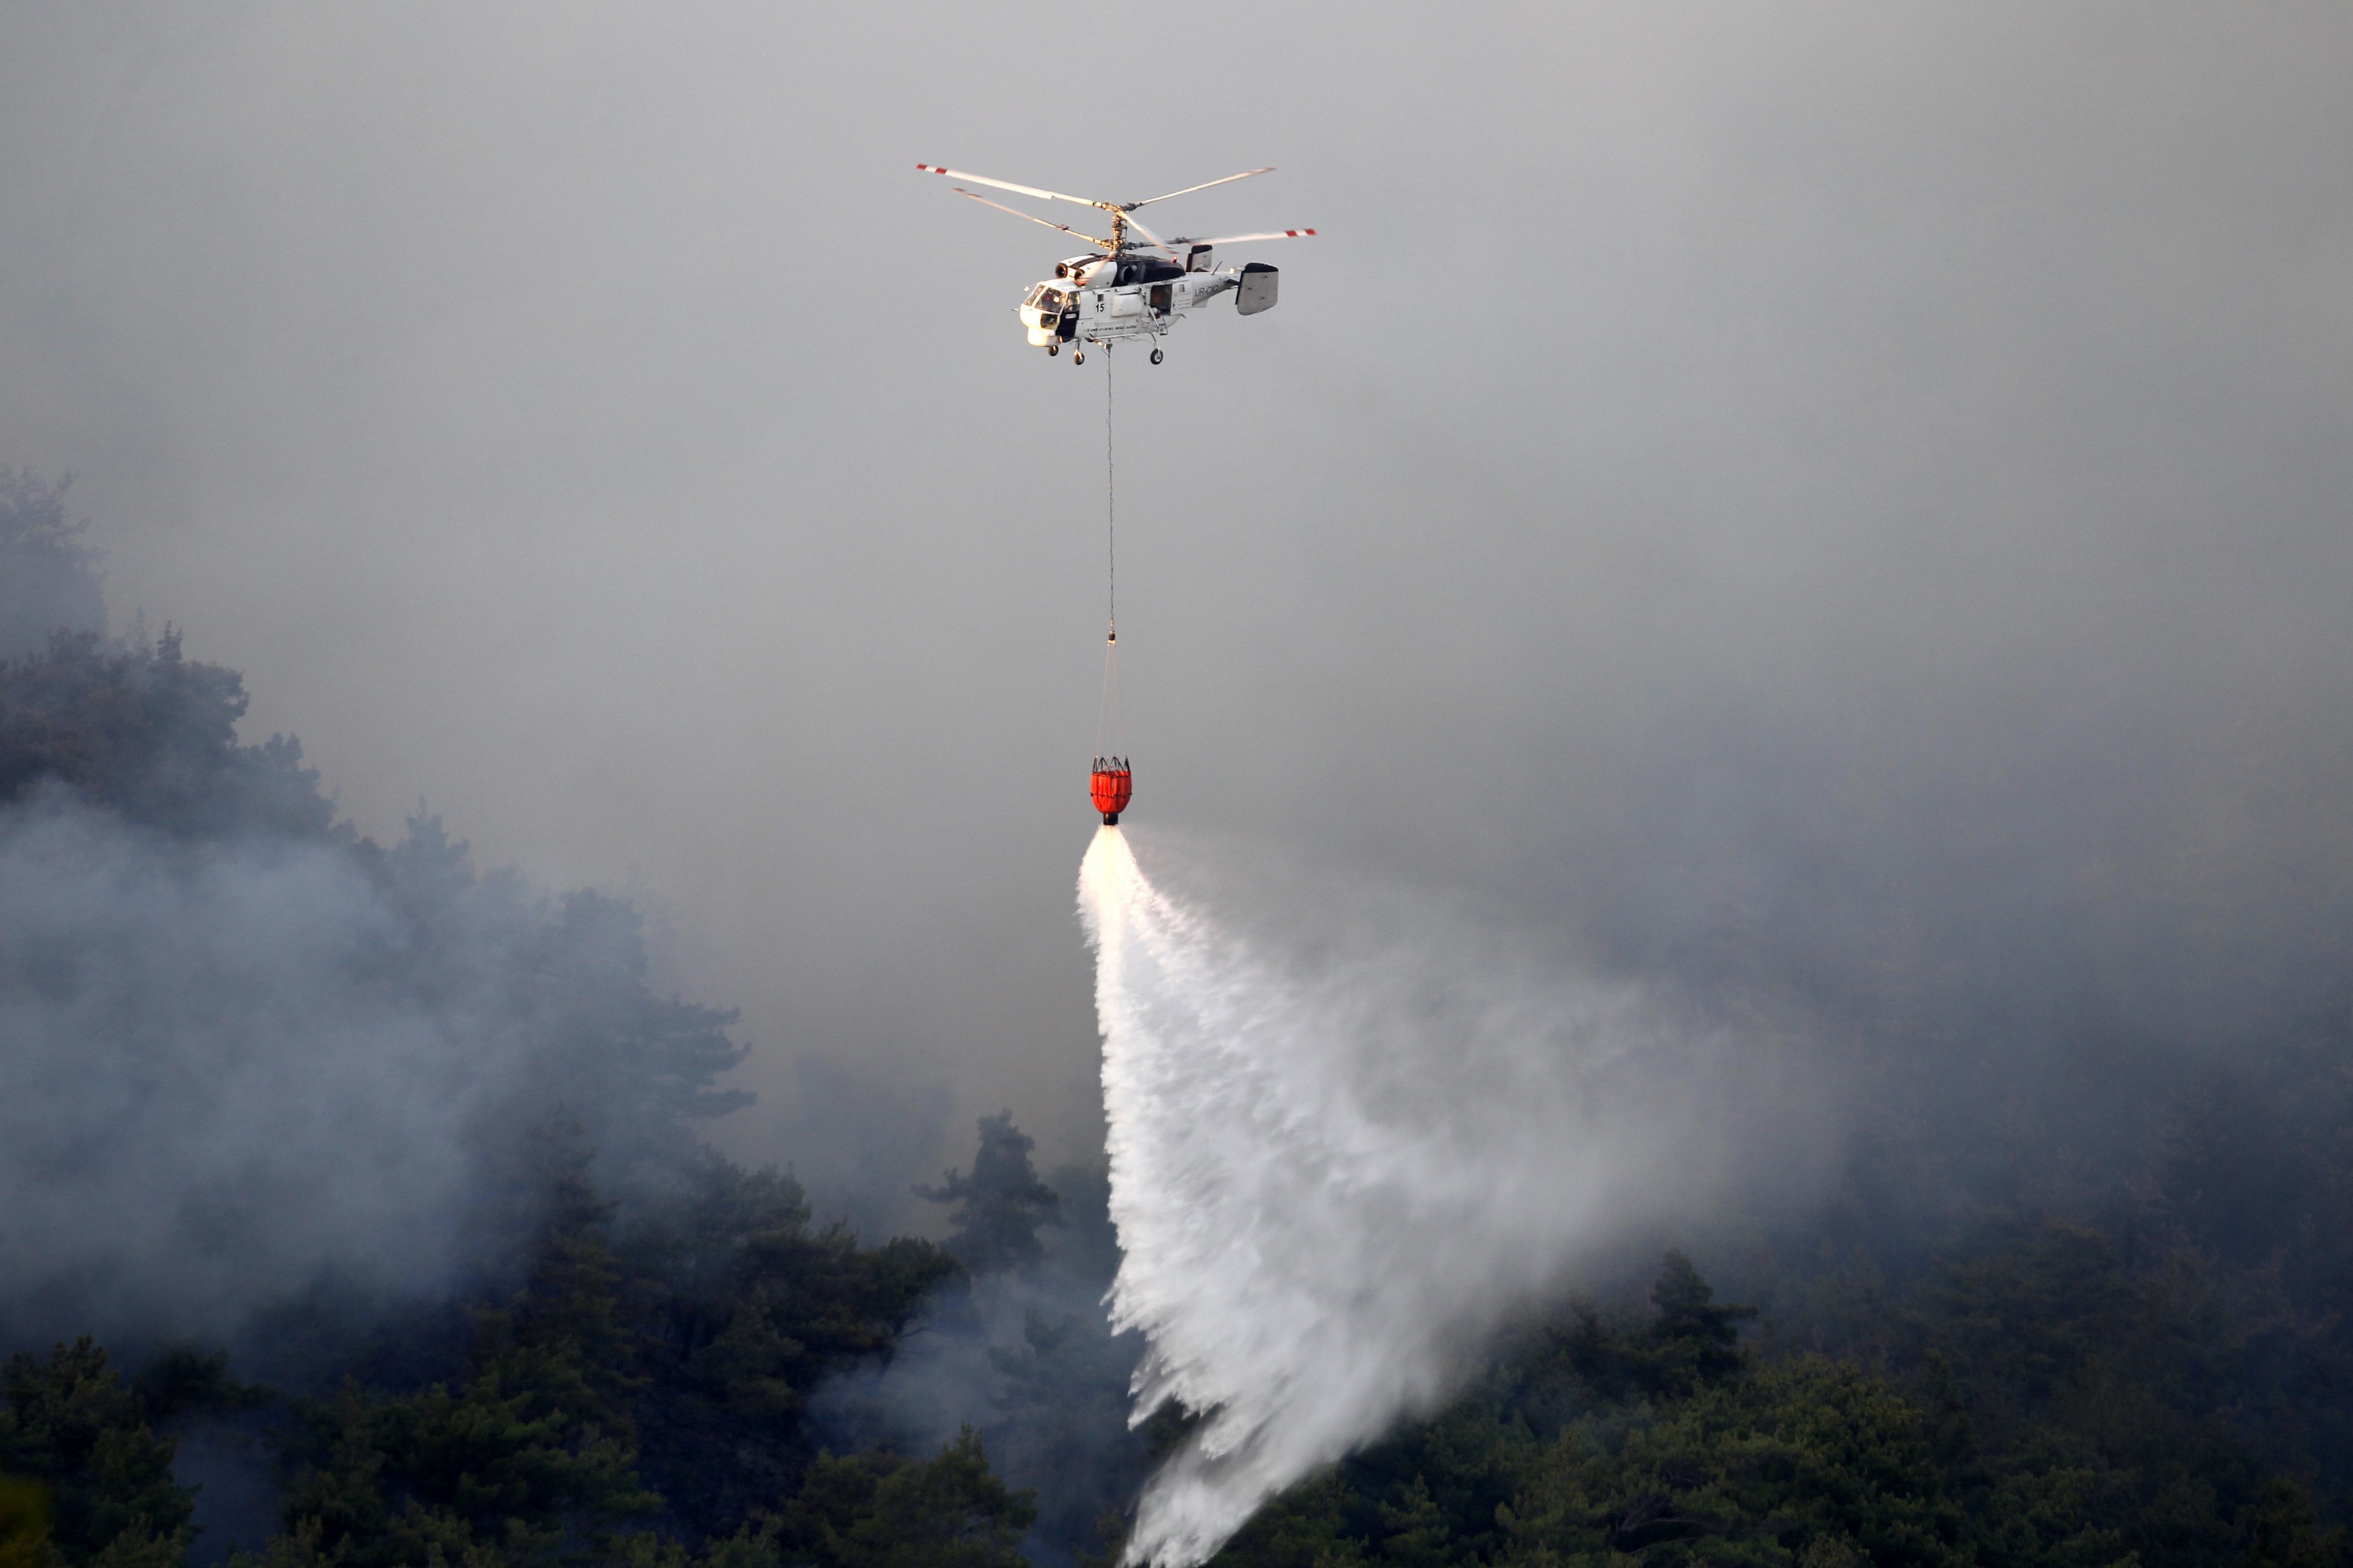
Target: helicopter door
[[1164, 295]]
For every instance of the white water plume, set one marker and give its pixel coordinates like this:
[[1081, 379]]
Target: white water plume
[[1335, 1178]]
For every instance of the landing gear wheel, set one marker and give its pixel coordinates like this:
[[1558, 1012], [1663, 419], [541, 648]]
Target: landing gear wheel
[[1079, 356], [1053, 349], [1156, 356]]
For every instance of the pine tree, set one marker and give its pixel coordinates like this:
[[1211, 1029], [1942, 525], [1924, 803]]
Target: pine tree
[[998, 1208], [70, 1425]]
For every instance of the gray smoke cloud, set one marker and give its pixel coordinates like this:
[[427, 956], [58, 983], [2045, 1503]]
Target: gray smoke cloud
[[246, 1073], [206, 1107], [1031, 1363], [1804, 433], [1717, 471], [1027, 1357]]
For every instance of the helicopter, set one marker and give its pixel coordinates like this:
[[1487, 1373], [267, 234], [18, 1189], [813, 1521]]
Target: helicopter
[[1131, 290]]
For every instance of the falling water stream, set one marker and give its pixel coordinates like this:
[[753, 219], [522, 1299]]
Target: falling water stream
[[1335, 1180]]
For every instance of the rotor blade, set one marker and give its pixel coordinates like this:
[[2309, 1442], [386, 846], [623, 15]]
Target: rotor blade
[[1010, 185], [1244, 239], [1201, 187], [1154, 238], [1033, 217]]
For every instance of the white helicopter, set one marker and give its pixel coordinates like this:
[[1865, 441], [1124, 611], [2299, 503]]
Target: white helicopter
[[1131, 290]]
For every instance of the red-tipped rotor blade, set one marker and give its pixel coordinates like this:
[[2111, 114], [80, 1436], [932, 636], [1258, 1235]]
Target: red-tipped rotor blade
[[1010, 185]]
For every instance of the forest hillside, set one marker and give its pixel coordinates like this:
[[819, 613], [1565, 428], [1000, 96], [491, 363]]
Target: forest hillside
[[355, 1208]]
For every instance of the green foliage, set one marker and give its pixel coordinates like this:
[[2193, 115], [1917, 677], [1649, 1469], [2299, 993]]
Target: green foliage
[[533, 1453], [867, 1510], [2050, 1407], [25, 1524], [680, 1350], [740, 1338], [187, 1379], [1505, 1472], [1763, 1468], [2253, 1189], [2282, 1532], [1059, 1418], [69, 1425], [1693, 1342], [296, 1548], [997, 1208], [875, 1512], [152, 735]]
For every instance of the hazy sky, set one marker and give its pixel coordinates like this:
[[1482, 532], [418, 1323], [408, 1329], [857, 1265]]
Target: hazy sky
[[1791, 467]]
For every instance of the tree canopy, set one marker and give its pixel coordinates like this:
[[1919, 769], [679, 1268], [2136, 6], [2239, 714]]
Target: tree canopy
[[49, 578], [997, 1209]]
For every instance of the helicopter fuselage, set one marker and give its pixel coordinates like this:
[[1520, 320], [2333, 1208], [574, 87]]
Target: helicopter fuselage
[[1107, 299], [1129, 288]]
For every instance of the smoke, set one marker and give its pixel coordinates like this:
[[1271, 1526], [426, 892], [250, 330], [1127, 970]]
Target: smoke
[[263, 1073], [854, 1137], [1028, 1360], [1339, 1167], [204, 1106]]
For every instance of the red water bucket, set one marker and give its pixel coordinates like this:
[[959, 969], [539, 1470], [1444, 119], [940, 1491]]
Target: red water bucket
[[1110, 784]]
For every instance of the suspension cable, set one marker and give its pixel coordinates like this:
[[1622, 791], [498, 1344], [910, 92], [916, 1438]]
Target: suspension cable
[[1110, 501]]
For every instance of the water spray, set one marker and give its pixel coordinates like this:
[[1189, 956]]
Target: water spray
[[1339, 1169]]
